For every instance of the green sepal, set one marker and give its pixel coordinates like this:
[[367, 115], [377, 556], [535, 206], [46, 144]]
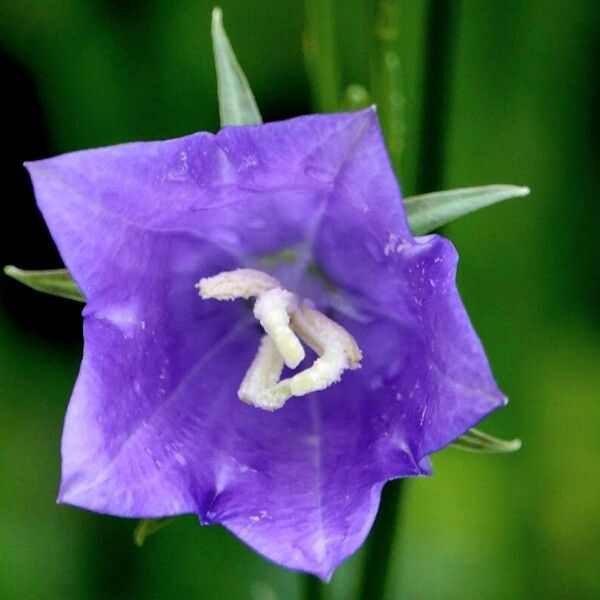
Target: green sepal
[[478, 441], [57, 282], [427, 212], [236, 100], [147, 527]]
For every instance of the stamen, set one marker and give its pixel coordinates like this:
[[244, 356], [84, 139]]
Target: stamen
[[282, 316]]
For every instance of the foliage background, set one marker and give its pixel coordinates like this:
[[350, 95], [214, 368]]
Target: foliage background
[[523, 109]]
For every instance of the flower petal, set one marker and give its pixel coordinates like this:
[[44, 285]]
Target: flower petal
[[429, 378], [154, 427]]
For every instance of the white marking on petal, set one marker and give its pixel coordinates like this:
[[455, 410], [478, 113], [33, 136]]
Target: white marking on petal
[[125, 317]]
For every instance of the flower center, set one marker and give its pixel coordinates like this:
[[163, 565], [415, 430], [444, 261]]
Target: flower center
[[288, 321]]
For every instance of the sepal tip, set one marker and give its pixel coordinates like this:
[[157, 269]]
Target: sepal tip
[[147, 527], [475, 440], [56, 282]]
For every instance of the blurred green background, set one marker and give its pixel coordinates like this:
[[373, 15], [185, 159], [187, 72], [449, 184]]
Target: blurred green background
[[523, 108]]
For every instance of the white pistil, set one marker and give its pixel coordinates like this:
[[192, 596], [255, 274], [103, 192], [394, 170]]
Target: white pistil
[[273, 309], [284, 319], [260, 384], [336, 348]]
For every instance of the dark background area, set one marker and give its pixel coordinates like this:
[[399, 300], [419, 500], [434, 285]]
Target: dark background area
[[523, 108]]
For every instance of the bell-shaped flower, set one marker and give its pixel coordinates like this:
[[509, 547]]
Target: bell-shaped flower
[[266, 344]]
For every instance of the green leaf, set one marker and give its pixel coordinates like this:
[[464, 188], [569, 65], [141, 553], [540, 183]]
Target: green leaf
[[427, 212], [147, 527], [236, 101], [478, 441], [57, 282], [320, 53]]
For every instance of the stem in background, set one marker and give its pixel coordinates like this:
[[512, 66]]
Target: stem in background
[[442, 21], [385, 73], [378, 548], [440, 28], [321, 54], [313, 587], [110, 576]]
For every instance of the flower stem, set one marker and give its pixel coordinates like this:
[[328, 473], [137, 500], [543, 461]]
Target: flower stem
[[320, 53], [440, 26]]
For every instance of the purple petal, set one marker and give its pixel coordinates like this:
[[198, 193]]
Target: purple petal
[[154, 427]]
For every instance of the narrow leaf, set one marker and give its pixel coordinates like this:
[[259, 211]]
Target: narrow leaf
[[427, 212], [57, 282], [478, 441], [385, 73], [236, 101], [320, 54], [147, 527]]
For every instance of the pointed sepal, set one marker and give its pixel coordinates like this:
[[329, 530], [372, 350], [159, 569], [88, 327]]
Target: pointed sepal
[[57, 282], [147, 527], [478, 441], [427, 212], [236, 100]]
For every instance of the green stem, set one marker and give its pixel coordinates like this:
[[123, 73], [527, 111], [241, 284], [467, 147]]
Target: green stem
[[321, 54], [440, 28], [111, 578], [385, 73], [378, 549], [312, 587], [442, 21]]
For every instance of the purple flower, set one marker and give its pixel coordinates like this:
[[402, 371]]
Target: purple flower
[[155, 426]]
